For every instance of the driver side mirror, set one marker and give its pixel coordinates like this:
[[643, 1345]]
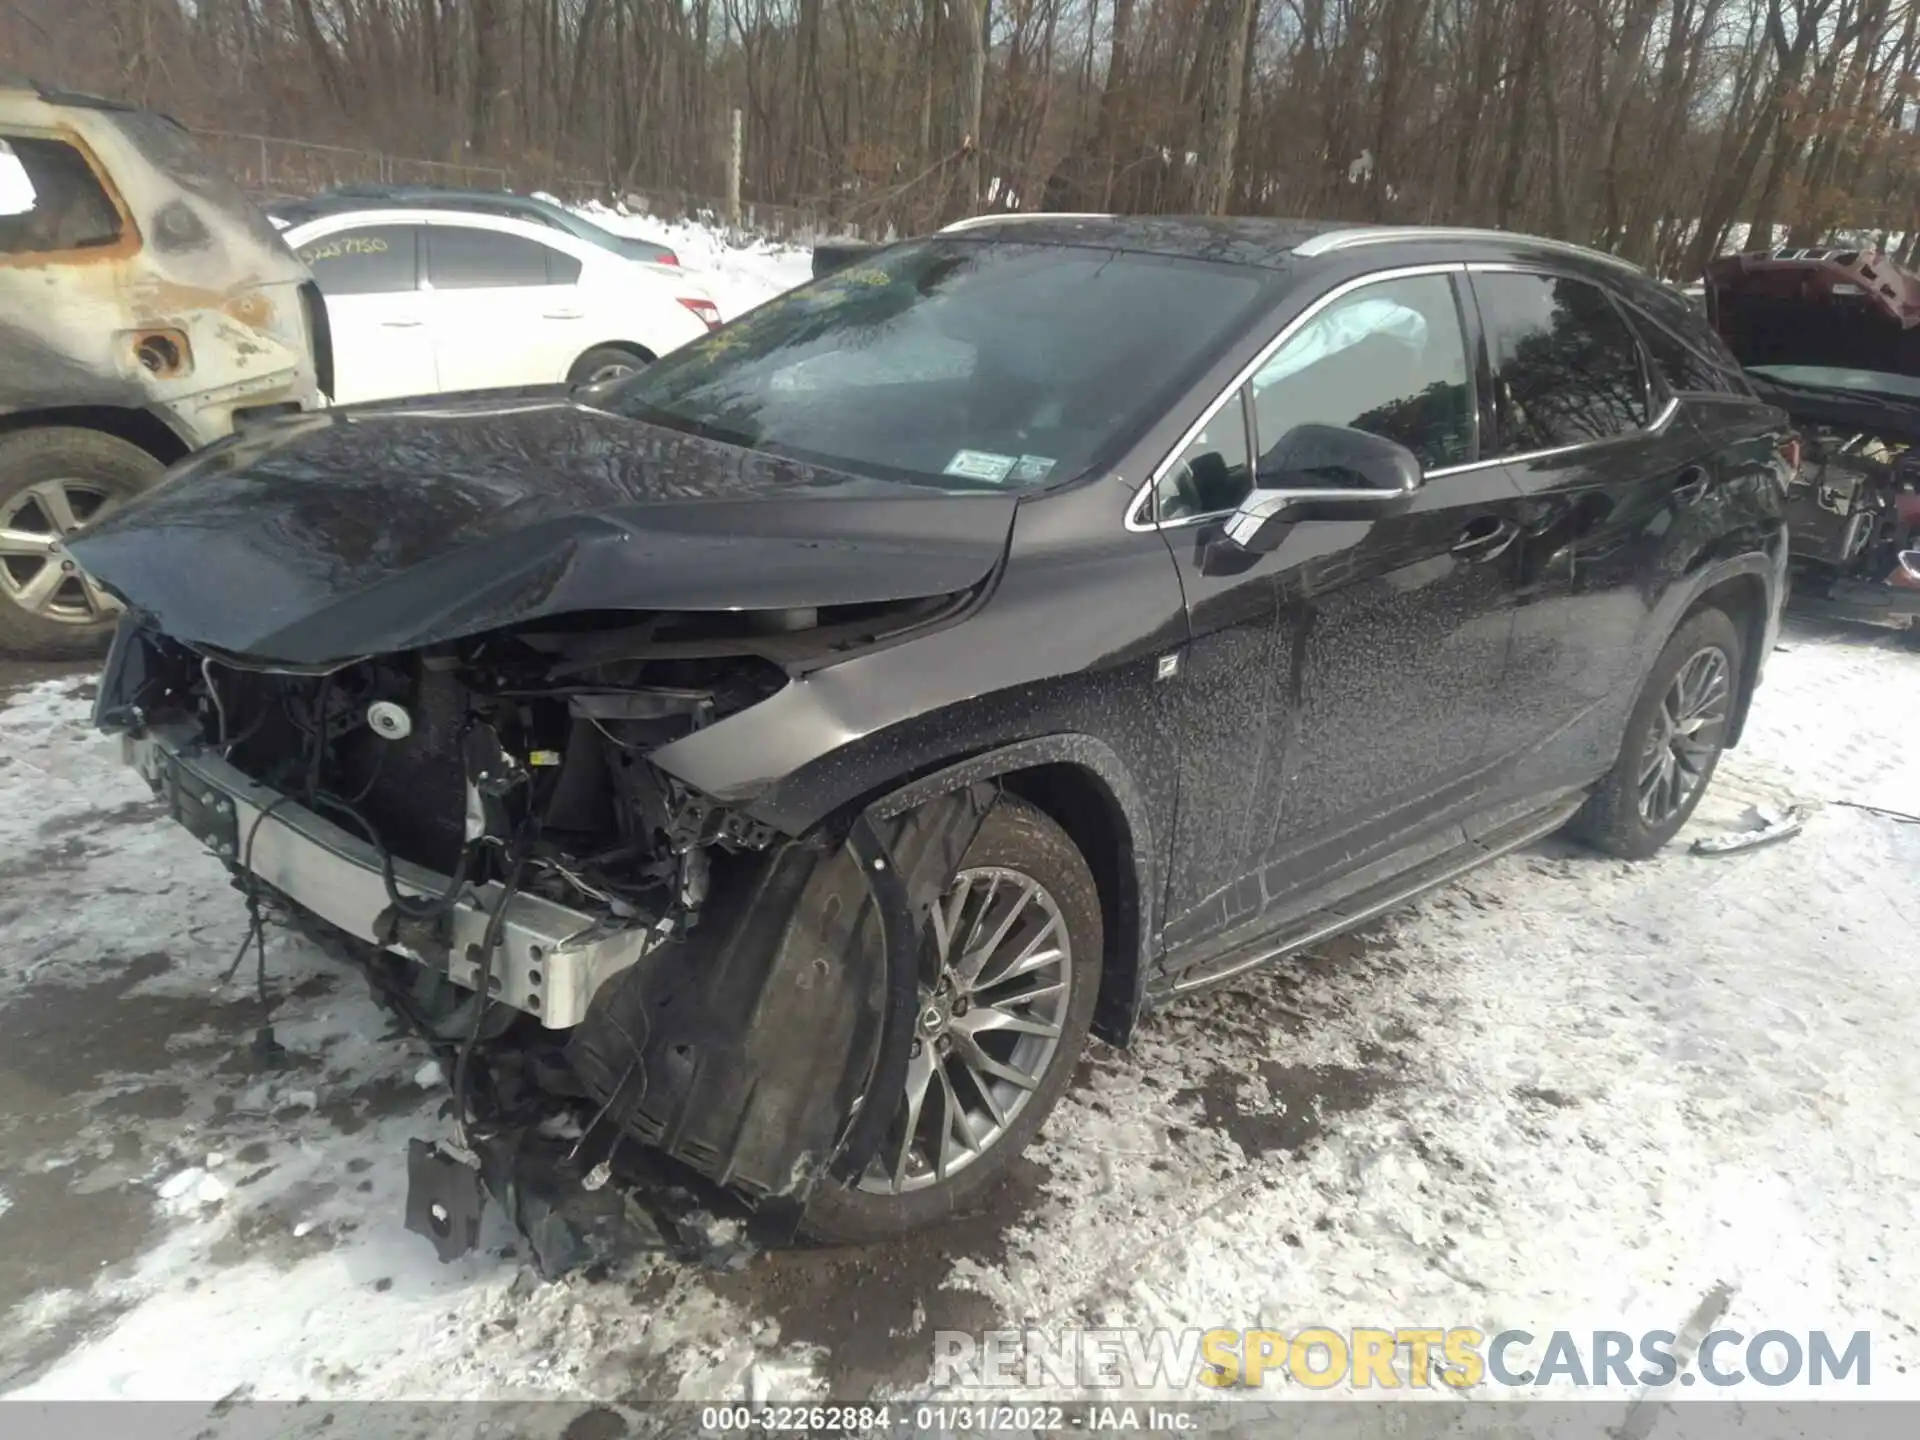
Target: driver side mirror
[[1323, 472]]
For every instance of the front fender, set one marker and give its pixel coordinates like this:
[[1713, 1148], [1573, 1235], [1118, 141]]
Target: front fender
[[746, 1048]]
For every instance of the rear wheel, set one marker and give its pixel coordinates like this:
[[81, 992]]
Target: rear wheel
[[1674, 740], [1005, 1001], [53, 481]]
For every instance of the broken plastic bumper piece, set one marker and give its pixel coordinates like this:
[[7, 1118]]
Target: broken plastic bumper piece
[[551, 958]]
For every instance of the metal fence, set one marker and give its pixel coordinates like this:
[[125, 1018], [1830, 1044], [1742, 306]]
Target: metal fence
[[267, 164], [273, 165]]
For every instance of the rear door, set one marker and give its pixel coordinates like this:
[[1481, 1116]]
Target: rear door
[[507, 309], [377, 315], [1612, 470]]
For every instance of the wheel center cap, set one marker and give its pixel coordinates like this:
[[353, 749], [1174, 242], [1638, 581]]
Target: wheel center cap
[[933, 1018]]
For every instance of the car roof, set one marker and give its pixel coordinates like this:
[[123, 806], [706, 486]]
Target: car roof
[[369, 213], [358, 197], [1258, 240], [76, 99]]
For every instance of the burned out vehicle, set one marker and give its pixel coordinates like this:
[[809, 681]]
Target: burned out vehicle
[[145, 309], [786, 756], [1833, 338]]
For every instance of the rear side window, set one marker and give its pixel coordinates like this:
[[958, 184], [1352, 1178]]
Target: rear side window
[[462, 258], [1567, 370], [50, 199], [374, 260]]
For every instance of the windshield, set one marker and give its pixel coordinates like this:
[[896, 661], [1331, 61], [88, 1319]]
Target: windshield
[[955, 363], [1830, 377]]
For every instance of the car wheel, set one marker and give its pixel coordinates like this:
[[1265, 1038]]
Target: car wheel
[[52, 482], [1005, 1003], [1674, 739], [605, 362]]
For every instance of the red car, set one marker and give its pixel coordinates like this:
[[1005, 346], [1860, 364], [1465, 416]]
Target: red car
[[1833, 338]]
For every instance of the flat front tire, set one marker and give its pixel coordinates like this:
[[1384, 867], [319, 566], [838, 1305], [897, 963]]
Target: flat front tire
[[1005, 1000], [1675, 736], [52, 481]]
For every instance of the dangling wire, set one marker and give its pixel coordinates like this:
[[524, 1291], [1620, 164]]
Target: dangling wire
[[517, 853], [265, 1046]]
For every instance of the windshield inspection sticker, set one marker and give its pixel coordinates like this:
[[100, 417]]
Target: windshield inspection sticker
[[1029, 468], [981, 465]]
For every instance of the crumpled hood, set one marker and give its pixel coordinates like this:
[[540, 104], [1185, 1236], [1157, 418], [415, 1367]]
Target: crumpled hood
[[1838, 309], [368, 531]]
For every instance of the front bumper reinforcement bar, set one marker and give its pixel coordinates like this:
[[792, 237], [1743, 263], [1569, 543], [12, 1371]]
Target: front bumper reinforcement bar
[[551, 958]]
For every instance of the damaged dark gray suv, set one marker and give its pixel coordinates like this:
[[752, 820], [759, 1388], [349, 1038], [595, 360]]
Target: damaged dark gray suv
[[784, 757]]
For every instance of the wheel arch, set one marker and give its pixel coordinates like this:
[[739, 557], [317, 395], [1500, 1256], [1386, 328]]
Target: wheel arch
[[1081, 784], [631, 347], [1742, 598], [140, 428]]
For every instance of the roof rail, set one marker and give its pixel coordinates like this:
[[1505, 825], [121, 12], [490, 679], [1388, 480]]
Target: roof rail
[[1332, 240], [992, 217]]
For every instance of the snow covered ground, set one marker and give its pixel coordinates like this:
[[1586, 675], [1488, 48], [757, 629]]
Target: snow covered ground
[[1566, 1093]]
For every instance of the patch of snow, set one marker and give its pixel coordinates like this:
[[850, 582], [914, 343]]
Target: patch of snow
[[190, 1189], [738, 274], [429, 1075]]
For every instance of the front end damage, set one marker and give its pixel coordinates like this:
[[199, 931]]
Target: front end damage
[[614, 965], [1854, 518], [1833, 338]]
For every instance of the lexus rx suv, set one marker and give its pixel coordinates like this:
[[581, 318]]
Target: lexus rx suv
[[787, 755]]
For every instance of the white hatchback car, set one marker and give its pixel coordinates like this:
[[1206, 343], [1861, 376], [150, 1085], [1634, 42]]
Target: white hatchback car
[[427, 301]]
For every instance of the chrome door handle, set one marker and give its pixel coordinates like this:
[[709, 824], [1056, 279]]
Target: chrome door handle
[[1690, 487], [1485, 539]]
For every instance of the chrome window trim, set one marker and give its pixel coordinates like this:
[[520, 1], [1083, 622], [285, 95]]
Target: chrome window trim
[[1246, 521], [1145, 493], [1332, 241]]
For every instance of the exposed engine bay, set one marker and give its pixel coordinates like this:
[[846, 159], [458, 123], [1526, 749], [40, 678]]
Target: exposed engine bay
[[1853, 511], [721, 970]]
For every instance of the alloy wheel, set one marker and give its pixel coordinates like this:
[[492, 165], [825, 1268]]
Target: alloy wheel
[[35, 571], [612, 370], [1689, 728], [986, 1031]]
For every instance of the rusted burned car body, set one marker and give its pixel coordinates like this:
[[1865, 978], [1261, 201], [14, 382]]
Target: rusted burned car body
[[145, 308], [1833, 338]]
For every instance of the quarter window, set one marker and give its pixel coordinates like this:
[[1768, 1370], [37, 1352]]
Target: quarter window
[[1683, 368], [1215, 471], [1388, 358], [50, 199], [374, 260], [464, 258], [1567, 371]]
